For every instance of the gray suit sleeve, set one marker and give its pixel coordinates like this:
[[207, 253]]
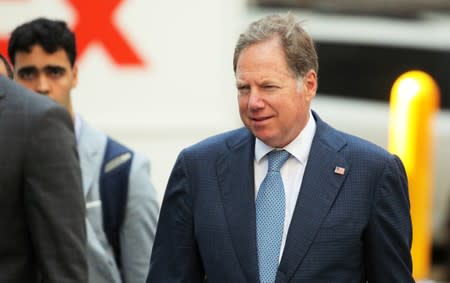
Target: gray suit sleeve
[[389, 234], [138, 230], [54, 200]]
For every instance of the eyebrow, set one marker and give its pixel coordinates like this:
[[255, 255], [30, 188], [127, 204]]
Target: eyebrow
[[27, 69], [241, 84], [54, 68], [35, 69]]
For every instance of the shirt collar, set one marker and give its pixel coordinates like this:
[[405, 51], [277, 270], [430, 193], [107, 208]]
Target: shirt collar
[[77, 125], [299, 147]]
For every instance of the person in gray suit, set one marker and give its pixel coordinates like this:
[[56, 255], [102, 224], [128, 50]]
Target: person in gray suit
[[287, 198], [43, 236], [43, 54]]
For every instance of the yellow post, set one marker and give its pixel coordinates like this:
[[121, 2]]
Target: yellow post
[[414, 101]]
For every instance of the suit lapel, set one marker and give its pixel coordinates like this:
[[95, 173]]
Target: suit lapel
[[235, 176], [320, 187], [91, 146]]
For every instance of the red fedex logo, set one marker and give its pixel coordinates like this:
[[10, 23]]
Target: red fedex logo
[[95, 24]]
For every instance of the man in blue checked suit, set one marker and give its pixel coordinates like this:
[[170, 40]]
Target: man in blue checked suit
[[288, 198]]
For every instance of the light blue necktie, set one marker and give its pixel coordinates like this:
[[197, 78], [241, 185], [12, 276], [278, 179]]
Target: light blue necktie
[[270, 206]]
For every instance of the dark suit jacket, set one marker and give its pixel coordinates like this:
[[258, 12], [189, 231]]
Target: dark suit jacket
[[42, 211], [346, 228]]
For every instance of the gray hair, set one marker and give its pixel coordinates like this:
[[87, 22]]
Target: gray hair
[[298, 46]]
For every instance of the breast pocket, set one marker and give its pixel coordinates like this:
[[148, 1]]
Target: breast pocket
[[337, 225]]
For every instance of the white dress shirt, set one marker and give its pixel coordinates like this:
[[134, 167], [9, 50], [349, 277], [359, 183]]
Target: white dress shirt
[[77, 125], [291, 172]]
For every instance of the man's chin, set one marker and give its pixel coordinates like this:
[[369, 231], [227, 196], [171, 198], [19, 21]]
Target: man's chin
[[266, 138]]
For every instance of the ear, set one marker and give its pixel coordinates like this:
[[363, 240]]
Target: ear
[[310, 84], [75, 75]]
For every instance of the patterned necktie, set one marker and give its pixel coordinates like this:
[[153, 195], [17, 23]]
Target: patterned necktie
[[270, 206]]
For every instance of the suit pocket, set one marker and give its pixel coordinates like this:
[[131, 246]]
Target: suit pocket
[[332, 231]]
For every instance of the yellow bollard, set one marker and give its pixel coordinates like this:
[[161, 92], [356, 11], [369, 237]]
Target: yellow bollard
[[414, 101]]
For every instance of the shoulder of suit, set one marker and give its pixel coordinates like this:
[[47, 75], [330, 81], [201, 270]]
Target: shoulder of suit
[[22, 98], [226, 139], [361, 148], [353, 146]]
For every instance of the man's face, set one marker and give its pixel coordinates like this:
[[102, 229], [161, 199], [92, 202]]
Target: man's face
[[46, 73], [273, 103]]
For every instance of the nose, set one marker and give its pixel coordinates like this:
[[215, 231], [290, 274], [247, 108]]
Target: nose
[[43, 86], [255, 101]]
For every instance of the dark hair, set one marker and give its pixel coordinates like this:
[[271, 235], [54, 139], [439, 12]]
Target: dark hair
[[51, 35], [298, 46], [8, 68]]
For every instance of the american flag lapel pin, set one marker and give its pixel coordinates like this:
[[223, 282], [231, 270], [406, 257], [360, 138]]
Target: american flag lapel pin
[[339, 170]]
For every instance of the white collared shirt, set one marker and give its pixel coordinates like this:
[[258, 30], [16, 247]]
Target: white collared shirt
[[77, 125], [291, 172]]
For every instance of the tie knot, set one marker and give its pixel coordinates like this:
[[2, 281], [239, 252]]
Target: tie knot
[[277, 158]]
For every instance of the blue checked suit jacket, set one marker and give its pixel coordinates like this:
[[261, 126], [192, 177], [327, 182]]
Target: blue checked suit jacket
[[351, 227]]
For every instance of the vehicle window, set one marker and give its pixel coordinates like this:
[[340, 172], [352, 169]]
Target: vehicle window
[[369, 71]]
